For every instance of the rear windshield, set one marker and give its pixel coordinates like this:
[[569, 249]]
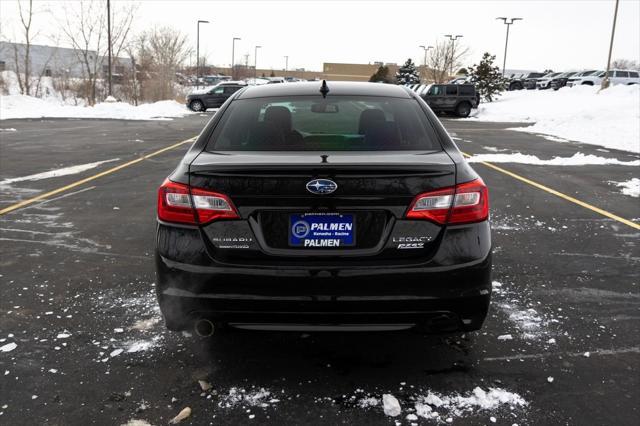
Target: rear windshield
[[339, 123]]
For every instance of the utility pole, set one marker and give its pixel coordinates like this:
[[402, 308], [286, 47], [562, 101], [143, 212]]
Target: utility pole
[[426, 49], [198, 52], [109, 40], [506, 43], [286, 65], [255, 63], [233, 52], [453, 45], [605, 80]]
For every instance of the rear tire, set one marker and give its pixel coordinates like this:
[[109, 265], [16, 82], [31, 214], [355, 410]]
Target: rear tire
[[197, 106], [463, 109], [587, 83]]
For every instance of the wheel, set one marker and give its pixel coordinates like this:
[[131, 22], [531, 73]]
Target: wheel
[[196, 106], [588, 83], [463, 109]]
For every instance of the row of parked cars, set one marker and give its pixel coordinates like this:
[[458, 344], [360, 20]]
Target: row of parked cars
[[556, 80]]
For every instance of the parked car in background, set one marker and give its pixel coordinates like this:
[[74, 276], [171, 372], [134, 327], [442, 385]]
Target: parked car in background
[[561, 80], [452, 98], [212, 80], [579, 76], [519, 81], [615, 77], [545, 81], [213, 97], [584, 76]]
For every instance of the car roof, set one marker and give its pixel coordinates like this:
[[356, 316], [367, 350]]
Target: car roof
[[336, 88]]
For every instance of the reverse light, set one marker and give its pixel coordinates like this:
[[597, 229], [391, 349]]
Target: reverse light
[[465, 203], [180, 204]]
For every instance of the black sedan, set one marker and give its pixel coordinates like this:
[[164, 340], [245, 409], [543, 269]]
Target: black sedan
[[320, 206]]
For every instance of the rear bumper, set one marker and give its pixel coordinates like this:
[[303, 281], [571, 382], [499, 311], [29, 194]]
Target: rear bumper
[[443, 298]]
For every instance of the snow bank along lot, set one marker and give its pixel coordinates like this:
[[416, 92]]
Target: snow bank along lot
[[610, 118], [20, 106]]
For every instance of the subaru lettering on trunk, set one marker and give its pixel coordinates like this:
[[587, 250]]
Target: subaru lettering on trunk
[[324, 205]]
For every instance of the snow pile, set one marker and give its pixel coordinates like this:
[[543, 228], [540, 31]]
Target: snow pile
[[578, 159], [434, 405], [21, 106], [610, 118], [630, 187]]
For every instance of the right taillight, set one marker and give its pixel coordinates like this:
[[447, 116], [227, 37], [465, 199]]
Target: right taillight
[[465, 203], [180, 204]]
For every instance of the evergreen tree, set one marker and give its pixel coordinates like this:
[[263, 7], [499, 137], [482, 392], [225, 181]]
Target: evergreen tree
[[381, 75], [487, 78], [407, 73]]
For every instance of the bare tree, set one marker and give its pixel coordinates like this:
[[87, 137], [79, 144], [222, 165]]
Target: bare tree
[[24, 61], [625, 64], [169, 49], [443, 58], [84, 28]]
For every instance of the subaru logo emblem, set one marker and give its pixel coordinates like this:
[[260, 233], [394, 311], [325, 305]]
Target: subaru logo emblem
[[321, 186]]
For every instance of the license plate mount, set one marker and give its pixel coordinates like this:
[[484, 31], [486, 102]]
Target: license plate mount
[[322, 230]]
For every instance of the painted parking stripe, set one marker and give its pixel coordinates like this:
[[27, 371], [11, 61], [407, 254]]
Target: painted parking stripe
[[75, 184], [560, 194]]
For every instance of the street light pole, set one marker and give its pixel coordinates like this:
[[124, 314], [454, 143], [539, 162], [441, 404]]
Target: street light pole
[[198, 52], [605, 80], [506, 43], [453, 45], [255, 63], [109, 39], [233, 54], [426, 49], [286, 65]]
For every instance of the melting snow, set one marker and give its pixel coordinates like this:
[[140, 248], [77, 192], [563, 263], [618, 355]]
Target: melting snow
[[241, 397], [71, 170], [578, 159], [630, 187], [8, 347]]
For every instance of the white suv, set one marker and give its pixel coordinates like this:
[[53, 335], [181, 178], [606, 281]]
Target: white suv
[[544, 82], [615, 77]]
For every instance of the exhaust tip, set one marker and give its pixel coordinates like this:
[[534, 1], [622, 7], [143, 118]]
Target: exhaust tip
[[204, 328]]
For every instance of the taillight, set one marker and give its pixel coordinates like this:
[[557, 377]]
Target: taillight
[[465, 203], [179, 203]]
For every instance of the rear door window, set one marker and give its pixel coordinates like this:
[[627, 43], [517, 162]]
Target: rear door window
[[451, 90], [633, 74], [339, 123], [466, 91]]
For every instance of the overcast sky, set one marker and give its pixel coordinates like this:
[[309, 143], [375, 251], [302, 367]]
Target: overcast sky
[[555, 34]]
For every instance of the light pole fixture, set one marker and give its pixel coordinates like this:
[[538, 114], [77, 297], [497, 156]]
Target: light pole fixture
[[255, 63], [233, 53], [426, 49], [286, 65], [508, 22], [453, 39], [198, 51]]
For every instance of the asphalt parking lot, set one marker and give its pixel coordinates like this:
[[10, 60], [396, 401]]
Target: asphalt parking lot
[[77, 299]]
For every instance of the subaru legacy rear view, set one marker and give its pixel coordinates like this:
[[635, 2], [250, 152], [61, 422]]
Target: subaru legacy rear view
[[321, 206]]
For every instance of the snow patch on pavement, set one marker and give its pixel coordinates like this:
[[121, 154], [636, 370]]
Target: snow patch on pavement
[[610, 118], [630, 187], [65, 171], [578, 159], [241, 397], [436, 405], [21, 106]]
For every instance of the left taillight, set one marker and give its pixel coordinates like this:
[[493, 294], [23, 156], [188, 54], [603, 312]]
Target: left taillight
[[465, 203], [180, 204]]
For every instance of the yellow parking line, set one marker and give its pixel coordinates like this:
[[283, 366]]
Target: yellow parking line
[[90, 178], [561, 195]]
